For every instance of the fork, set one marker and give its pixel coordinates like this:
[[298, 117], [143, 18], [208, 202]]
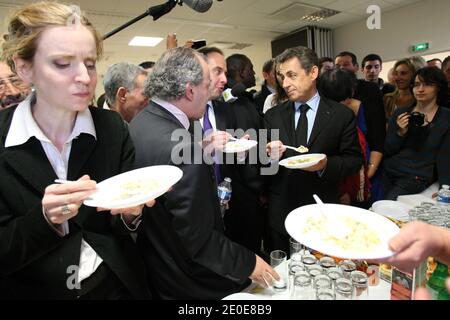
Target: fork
[[62, 181]]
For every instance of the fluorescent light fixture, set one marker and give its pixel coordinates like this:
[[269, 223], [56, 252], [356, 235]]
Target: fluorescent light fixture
[[320, 15], [145, 41]]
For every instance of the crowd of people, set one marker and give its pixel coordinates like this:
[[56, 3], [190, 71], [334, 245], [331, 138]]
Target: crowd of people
[[381, 140]]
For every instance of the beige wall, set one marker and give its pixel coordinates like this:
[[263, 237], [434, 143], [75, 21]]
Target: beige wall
[[424, 21]]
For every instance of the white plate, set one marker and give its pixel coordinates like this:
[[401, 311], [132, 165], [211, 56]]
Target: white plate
[[242, 296], [334, 231], [240, 145], [302, 161], [134, 187], [392, 209]]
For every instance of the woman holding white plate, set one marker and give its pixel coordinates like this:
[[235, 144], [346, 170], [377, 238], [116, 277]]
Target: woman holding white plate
[[52, 247]]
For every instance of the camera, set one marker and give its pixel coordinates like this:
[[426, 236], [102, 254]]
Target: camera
[[417, 119]]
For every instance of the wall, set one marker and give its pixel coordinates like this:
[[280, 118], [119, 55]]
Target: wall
[[424, 21]]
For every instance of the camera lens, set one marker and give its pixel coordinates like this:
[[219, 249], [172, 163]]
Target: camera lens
[[417, 119]]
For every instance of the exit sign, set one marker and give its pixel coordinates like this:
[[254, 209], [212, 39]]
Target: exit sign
[[420, 47]]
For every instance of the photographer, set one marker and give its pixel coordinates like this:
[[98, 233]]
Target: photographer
[[418, 138]]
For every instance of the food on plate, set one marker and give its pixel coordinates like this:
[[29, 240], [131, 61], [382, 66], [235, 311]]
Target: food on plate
[[235, 146], [300, 161], [138, 187], [343, 232]]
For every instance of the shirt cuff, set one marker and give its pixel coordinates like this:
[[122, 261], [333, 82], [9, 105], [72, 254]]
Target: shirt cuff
[[134, 224], [59, 230]]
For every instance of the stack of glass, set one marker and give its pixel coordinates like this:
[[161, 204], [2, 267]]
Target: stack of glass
[[324, 279], [431, 213]]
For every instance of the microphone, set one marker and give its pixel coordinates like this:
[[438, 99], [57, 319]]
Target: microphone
[[231, 95], [199, 5]]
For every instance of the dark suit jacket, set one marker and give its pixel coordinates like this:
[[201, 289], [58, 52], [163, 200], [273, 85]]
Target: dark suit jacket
[[334, 134], [33, 258], [260, 98], [181, 238], [371, 98]]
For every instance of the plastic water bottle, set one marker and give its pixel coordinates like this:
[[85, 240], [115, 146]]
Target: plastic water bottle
[[443, 198], [224, 194]]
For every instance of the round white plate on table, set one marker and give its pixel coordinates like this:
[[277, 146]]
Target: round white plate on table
[[134, 187], [239, 145], [392, 209], [342, 231], [302, 161]]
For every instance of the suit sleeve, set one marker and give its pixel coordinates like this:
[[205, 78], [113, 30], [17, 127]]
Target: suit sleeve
[[126, 164], [443, 160], [394, 143], [24, 239], [349, 158], [194, 209], [375, 119]]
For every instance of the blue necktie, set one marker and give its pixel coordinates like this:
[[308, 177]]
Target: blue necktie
[[207, 127]]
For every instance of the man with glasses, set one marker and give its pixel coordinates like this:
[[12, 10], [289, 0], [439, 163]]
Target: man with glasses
[[12, 89]]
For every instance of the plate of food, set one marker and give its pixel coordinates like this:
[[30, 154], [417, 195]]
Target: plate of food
[[392, 209], [302, 161], [134, 187], [239, 145], [342, 231]]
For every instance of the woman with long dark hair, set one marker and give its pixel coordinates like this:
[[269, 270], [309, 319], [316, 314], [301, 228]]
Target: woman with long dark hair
[[417, 145]]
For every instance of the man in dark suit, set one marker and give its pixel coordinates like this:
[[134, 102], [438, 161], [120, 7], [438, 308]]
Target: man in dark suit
[[182, 237], [218, 116], [268, 86], [313, 121], [247, 210]]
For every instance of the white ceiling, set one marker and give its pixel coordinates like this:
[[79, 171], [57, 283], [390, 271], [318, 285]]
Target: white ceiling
[[243, 21]]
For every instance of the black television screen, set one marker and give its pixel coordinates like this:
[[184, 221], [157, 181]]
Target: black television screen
[[299, 38]]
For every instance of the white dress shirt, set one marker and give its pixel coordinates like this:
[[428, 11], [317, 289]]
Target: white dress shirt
[[211, 115], [23, 127]]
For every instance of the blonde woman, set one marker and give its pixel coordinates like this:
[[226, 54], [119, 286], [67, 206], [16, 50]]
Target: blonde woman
[[52, 247], [403, 72]]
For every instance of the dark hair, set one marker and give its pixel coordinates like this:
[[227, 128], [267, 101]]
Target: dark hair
[[207, 50], [306, 57], [280, 93], [350, 54], [371, 57], [446, 60], [435, 76], [235, 64], [323, 60], [147, 64], [337, 84], [268, 66], [435, 59], [101, 100]]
